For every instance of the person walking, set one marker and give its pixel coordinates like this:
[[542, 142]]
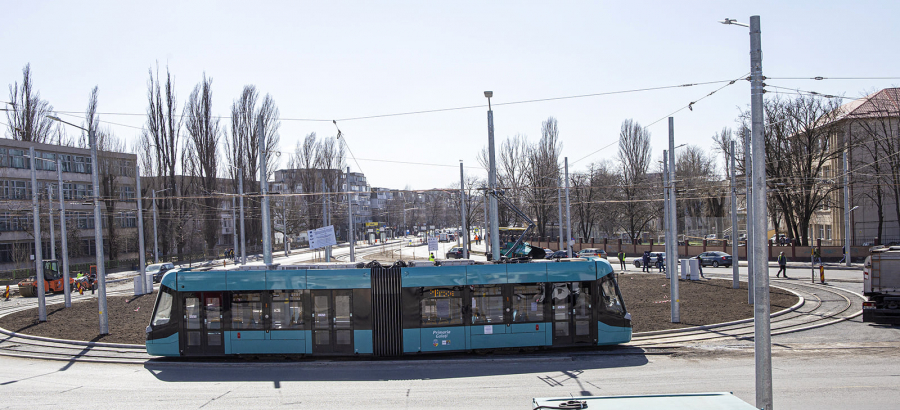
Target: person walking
[[700, 266], [431, 257], [817, 256], [782, 265], [645, 262], [659, 263], [622, 260]]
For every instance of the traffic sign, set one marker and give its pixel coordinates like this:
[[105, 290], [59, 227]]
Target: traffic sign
[[432, 244]]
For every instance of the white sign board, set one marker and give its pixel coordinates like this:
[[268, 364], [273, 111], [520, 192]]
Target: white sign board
[[321, 237], [432, 244]]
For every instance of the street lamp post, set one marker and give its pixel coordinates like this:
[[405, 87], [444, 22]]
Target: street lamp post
[[464, 232], [492, 182], [760, 269], [735, 274], [98, 227], [350, 238]]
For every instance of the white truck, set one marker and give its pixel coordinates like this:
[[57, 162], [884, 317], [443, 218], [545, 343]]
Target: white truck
[[881, 284]]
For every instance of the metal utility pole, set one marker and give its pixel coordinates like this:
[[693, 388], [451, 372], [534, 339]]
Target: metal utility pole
[[350, 236], [234, 236], [464, 232], [241, 202], [673, 227], [569, 236], [67, 288], [325, 218], [484, 229], [284, 224], [762, 333], [264, 189], [38, 257], [748, 195], [735, 269], [98, 236], [559, 212], [50, 219], [155, 223], [666, 216], [846, 210], [140, 224], [492, 182]]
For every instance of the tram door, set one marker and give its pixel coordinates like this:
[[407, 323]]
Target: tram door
[[332, 326], [572, 313], [202, 324]]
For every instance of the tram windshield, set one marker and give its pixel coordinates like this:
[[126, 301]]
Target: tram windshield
[[163, 308], [610, 296]]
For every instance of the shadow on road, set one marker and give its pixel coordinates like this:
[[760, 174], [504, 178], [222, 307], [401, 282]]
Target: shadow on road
[[411, 368]]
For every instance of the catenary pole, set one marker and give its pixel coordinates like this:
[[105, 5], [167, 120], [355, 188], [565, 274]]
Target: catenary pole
[[38, 257], [484, 229], [350, 236], [667, 233], [241, 203], [234, 235], [762, 329], [492, 182], [559, 212], [50, 219], [67, 288], [673, 226], [142, 257], [464, 232], [155, 222], [569, 236], [748, 195], [264, 190], [98, 236], [735, 269], [846, 210]]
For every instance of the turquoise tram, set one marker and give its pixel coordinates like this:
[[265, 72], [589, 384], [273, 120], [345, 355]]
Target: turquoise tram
[[387, 311]]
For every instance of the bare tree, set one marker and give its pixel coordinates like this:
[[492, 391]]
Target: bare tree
[[163, 154], [27, 120], [634, 160], [542, 175], [251, 118], [800, 145], [203, 149]]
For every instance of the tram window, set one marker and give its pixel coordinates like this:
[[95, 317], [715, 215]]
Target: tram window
[[214, 312], [163, 309], [192, 313], [528, 303], [487, 304], [246, 311], [609, 296], [441, 307], [287, 309]]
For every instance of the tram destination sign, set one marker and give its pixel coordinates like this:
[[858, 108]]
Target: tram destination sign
[[321, 237]]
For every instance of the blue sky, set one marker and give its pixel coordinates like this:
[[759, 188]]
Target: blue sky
[[337, 60]]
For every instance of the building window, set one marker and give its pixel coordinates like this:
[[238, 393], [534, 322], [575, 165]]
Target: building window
[[17, 159], [126, 193]]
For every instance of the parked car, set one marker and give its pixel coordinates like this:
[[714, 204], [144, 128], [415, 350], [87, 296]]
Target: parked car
[[455, 252], [715, 259], [556, 255], [639, 262], [548, 252], [591, 252], [158, 270]]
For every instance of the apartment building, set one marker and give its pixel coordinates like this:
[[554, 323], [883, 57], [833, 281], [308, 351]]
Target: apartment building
[[16, 215]]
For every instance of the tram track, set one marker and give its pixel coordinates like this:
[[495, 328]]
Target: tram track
[[819, 306]]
